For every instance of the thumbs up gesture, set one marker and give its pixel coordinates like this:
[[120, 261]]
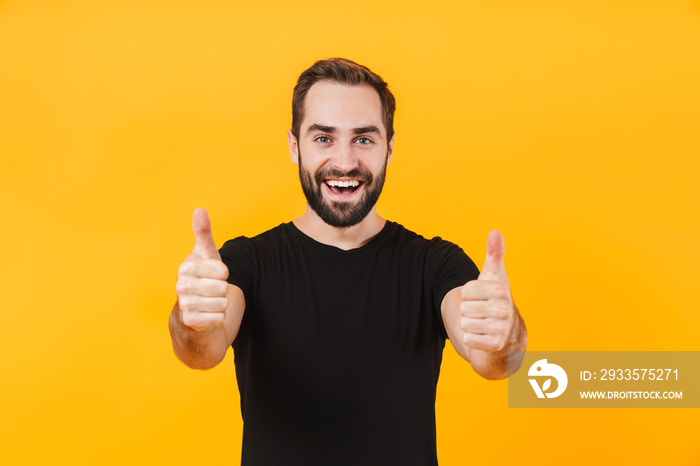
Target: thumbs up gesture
[[201, 280], [487, 309]]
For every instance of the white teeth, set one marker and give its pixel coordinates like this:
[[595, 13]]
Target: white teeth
[[343, 184]]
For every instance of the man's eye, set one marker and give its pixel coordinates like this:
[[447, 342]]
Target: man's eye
[[323, 139], [364, 140]]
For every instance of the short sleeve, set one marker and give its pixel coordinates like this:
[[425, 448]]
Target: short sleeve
[[239, 257], [450, 268]]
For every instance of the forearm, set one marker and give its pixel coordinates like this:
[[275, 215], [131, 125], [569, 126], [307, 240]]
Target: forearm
[[198, 349], [495, 365]]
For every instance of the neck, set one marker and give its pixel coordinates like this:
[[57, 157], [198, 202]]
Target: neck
[[344, 238]]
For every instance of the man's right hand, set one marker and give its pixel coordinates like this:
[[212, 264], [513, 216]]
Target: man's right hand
[[201, 280]]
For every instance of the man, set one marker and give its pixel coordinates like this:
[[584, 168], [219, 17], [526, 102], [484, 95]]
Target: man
[[339, 318]]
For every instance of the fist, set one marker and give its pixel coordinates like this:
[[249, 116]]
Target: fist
[[487, 310], [201, 280]]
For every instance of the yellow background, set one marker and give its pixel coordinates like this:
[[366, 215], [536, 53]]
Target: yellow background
[[571, 126]]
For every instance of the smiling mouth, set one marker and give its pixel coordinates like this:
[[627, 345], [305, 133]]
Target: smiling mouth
[[343, 186]]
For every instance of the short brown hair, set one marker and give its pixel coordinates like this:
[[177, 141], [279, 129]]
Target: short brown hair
[[342, 71]]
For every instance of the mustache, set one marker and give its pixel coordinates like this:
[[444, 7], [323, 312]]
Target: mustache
[[355, 173]]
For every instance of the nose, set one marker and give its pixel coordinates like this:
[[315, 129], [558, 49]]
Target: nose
[[344, 158]]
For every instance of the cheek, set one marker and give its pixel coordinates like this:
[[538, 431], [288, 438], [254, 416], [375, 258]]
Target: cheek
[[306, 164], [374, 161]]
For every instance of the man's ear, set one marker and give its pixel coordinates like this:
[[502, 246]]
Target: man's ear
[[390, 149], [293, 146]]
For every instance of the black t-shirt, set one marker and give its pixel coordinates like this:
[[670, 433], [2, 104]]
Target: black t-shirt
[[338, 354]]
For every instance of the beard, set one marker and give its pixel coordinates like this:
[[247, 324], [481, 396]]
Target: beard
[[341, 214]]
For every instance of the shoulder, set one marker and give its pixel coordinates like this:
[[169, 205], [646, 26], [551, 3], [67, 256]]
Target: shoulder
[[267, 239], [408, 238], [248, 251], [245, 256], [437, 252]]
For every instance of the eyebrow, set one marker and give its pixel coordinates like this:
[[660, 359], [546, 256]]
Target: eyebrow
[[332, 129], [366, 129], [321, 129]]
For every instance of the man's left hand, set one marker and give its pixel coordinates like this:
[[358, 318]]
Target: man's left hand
[[487, 309]]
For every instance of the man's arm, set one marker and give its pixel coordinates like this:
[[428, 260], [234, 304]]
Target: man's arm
[[205, 348], [482, 321], [208, 312], [490, 364]]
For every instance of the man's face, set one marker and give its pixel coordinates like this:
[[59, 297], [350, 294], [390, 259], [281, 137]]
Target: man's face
[[342, 152]]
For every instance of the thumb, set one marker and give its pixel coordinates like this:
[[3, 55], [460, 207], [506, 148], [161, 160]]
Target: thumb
[[493, 264], [204, 244]]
